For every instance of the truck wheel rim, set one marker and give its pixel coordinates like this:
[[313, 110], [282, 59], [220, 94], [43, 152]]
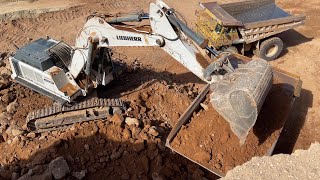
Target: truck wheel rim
[[272, 50]]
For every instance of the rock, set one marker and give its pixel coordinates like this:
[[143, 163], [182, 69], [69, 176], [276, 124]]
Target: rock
[[132, 121], [1, 138], [15, 140], [102, 141], [87, 147], [205, 107], [23, 171], [156, 176], [16, 132], [220, 157], [146, 128], [30, 172], [5, 174], [7, 97], [9, 141], [3, 107], [218, 165], [59, 168], [144, 135], [24, 127], [4, 118], [152, 131], [12, 107], [102, 159], [4, 78], [39, 159], [135, 132], [44, 176], [117, 119], [116, 154], [25, 177], [42, 138], [31, 135], [126, 134], [79, 175], [15, 176], [66, 146], [16, 169], [38, 169], [2, 64], [139, 146]]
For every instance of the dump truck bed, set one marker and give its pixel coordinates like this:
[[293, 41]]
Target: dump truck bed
[[254, 11], [195, 135], [256, 19]]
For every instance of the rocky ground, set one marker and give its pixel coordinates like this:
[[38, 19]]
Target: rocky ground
[[158, 90]]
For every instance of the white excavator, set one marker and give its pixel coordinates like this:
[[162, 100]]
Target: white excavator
[[66, 73]]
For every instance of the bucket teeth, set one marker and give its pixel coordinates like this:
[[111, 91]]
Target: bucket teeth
[[239, 96]]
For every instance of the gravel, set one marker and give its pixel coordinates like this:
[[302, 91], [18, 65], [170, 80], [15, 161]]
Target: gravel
[[302, 164]]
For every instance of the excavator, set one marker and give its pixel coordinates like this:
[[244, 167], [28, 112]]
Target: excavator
[[66, 73]]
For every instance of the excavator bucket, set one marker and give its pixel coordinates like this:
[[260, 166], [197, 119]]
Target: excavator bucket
[[239, 96]]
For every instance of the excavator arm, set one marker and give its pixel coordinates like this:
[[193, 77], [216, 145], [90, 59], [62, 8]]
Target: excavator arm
[[165, 34]]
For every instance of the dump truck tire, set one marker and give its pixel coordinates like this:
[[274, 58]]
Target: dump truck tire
[[270, 49]]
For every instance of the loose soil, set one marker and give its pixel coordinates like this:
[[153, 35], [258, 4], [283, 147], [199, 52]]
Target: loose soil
[[208, 139]]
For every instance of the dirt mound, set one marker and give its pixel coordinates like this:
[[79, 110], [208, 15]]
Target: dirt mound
[[302, 164]]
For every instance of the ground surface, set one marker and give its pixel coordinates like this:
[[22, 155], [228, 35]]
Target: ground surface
[[159, 88]]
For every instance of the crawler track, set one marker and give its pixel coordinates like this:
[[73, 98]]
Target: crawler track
[[60, 117]]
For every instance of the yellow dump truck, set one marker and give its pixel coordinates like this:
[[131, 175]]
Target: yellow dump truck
[[246, 26]]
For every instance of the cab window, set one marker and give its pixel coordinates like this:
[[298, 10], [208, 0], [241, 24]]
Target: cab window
[[218, 29]]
